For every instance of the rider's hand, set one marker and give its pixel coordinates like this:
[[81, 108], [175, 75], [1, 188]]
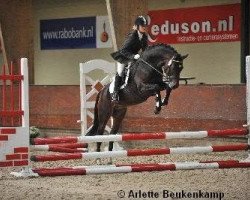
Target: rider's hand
[[137, 56]]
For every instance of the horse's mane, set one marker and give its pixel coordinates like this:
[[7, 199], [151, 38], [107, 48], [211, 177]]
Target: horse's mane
[[167, 46], [156, 50]]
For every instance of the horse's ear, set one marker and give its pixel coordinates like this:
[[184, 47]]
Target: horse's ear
[[185, 56]]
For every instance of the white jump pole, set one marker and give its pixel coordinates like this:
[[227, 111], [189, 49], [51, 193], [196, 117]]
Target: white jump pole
[[25, 92], [248, 97], [83, 101], [111, 25]]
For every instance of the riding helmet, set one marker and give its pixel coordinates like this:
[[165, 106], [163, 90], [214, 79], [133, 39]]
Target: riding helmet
[[141, 21]]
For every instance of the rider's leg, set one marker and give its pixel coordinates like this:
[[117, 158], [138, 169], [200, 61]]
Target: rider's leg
[[127, 74], [120, 68], [117, 82]]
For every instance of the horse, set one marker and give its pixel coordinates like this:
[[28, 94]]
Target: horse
[[157, 69]]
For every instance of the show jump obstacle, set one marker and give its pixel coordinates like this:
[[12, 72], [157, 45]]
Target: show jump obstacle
[[14, 116], [108, 70], [59, 144]]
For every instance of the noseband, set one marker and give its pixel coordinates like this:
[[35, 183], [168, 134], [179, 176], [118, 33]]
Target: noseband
[[166, 72]]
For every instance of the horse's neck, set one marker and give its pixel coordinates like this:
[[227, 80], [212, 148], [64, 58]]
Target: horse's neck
[[140, 74], [150, 67], [133, 68]]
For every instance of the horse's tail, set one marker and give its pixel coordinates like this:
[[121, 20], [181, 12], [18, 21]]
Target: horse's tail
[[95, 125]]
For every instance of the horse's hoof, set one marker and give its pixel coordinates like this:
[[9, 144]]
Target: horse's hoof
[[156, 111], [164, 103]]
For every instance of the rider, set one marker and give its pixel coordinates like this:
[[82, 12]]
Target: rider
[[136, 40]]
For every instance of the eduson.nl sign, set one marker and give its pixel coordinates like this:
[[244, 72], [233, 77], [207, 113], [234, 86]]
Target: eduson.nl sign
[[219, 23]]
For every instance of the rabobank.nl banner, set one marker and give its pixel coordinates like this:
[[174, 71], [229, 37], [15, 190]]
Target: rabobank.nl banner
[[75, 33]]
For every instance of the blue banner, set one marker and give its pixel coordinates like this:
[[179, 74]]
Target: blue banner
[[69, 33]]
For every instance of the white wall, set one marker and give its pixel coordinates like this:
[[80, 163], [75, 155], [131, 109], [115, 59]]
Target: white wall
[[216, 63]]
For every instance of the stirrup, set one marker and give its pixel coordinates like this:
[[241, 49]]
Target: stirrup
[[114, 97]]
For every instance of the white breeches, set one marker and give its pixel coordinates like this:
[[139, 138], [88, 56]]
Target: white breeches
[[120, 68]]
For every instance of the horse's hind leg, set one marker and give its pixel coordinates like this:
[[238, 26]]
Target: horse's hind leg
[[101, 128], [100, 131], [118, 115]]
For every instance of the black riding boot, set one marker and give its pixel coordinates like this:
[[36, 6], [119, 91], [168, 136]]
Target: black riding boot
[[114, 95]]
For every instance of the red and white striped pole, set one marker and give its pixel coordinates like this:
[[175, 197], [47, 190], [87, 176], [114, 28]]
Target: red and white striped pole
[[139, 152], [86, 170], [140, 136], [64, 148]]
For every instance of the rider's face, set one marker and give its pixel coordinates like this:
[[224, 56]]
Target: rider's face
[[143, 29]]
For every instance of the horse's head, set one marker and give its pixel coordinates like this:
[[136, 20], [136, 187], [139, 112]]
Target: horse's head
[[172, 68], [166, 61]]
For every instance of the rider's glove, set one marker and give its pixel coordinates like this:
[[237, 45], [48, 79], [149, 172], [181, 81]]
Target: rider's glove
[[137, 56]]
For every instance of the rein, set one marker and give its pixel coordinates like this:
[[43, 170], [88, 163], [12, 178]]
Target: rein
[[164, 76]]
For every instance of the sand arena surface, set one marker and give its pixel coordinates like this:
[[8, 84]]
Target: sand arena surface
[[232, 183]]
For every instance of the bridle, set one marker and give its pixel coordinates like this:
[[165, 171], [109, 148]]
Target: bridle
[[166, 73]]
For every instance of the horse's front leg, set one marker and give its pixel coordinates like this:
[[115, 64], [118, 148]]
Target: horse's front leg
[[151, 90], [166, 98], [158, 103]]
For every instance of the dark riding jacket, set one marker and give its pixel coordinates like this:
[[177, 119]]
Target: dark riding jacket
[[131, 47]]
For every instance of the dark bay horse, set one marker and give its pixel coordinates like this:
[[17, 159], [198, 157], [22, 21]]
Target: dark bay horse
[[158, 69]]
